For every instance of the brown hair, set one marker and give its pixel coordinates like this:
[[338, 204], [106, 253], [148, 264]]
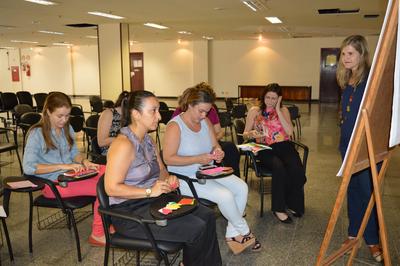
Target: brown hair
[[200, 93], [274, 87], [344, 75], [54, 101]]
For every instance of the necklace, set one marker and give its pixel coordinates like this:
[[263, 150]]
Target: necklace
[[348, 109]]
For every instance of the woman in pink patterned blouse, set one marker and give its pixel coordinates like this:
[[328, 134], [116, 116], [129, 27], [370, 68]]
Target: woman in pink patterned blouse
[[270, 124]]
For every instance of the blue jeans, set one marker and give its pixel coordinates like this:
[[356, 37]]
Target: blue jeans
[[358, 195]]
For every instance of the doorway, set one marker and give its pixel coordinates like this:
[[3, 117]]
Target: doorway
[[137, 71], [329, 90]]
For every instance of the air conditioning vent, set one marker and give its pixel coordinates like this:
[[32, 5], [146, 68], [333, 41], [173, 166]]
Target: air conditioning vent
[[337, 11], [81, 25], [371, 15]]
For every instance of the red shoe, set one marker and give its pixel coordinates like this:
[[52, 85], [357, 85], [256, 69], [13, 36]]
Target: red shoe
[[376, 252], [97, 241]]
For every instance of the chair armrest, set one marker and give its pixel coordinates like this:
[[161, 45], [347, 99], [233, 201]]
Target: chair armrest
[[14, 131], [126, 216], [189, 181], [305, 153], [52, 186]]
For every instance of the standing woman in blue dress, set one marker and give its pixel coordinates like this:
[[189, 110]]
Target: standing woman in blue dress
[[352, 75]]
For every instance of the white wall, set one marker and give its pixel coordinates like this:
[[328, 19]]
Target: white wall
[[168, 66], [285, 61], [85, 70], [73, 71]]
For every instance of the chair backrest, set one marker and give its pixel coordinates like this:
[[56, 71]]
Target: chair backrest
[[228, 104], [166, 116], [294, 112], [108, 104], [103, 201], [239, 111], [163, 106], [239, 129], [96, 104], [40, 98], [76, 119], [29, 119], [76, 111], [91, 126], [21, 109], [225, 119], [25, 97], [8, 100]]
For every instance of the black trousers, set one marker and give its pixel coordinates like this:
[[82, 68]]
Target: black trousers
[[196, 230], [288, 176], [232, 156]]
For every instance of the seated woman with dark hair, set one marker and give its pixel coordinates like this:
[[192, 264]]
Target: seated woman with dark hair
[[270, 124], [110, 123], [136, 176], [51, 150]]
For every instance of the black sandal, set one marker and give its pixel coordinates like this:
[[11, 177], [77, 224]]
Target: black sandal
[[257, 245], [238, 247]]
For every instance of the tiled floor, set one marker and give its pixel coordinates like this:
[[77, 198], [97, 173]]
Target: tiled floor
[[295, 244]]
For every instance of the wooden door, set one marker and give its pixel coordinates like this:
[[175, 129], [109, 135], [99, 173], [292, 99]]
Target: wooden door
[[137, 71], [329, 90]]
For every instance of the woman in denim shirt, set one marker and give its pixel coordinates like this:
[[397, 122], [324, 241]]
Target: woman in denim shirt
[[51, 150]]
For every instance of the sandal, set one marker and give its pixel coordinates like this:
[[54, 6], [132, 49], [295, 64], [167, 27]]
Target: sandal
[[238, 247], [257, 244]]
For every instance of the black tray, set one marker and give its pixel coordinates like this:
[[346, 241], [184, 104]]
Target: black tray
[[201, 175], [163, 200]]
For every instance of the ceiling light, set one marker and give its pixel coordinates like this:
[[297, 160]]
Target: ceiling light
[[107, 15], [20, 41], [91, 37], [51, 32], [184, 32], [62, 44], [250, 5], [42, 2], [273, 20], [208, 37], [154, 25]]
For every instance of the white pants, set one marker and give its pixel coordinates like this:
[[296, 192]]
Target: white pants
[[230, 194]]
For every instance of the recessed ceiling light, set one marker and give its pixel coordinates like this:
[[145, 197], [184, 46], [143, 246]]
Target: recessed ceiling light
[[273, 20], [107, 15], [155, 25], [20, 41], [42, 2], [91, 37], [62, 44], [184, 32], [208, 37], [51, 32], [250, 5]]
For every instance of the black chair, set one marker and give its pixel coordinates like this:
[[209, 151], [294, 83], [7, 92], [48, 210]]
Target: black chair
[[95, 153], [8, 101], [108, 104], [25, 97], [40, 98], [25, 122], [295, 117], [11, 146], [76, 118], [160, 248], [90, 129], [19, 110], [228, 104], [239, 111], [5, 230], [96, 104], [225, 121], [163, 106], [262, 172], [67, 206]]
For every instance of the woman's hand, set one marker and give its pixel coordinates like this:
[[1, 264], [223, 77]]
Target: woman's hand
[[160, 187], [89, 165], [278, 104], [218, 154], [205, 158], [254, 134], [173, 182], [76, 167]]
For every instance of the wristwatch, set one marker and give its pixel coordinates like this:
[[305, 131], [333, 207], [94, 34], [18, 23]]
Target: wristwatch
[[148, 192]]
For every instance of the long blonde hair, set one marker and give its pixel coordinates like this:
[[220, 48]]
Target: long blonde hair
[[344, 75]]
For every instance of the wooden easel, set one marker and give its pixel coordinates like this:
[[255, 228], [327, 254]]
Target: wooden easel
[[370, 144]]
